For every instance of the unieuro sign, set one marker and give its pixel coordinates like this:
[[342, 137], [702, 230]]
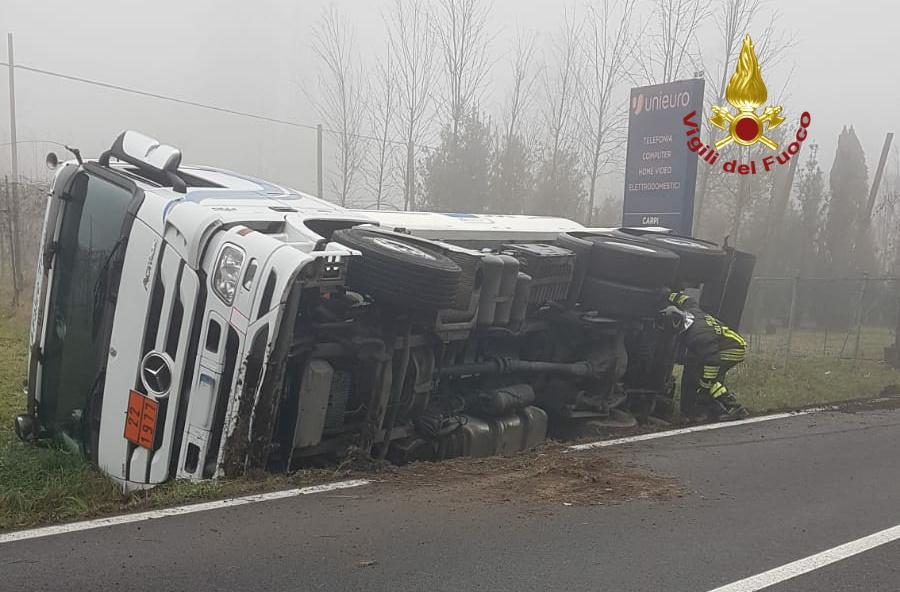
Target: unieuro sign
[[660, 170]]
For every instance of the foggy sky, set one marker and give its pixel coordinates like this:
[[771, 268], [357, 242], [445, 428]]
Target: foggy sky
[[255, 56]]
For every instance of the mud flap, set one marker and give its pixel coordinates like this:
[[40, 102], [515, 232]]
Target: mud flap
[[725, 299]]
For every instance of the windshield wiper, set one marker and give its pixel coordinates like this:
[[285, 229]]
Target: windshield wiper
[[101, 286]]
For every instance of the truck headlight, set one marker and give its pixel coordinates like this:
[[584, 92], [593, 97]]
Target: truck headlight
[[228, 273]]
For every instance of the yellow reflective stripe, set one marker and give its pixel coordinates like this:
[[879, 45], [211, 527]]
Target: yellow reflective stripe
[[733, 335], [710, 371], [717, 390], [677, 298]]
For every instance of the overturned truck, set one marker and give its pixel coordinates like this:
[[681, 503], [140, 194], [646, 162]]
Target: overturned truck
[[190, 322]]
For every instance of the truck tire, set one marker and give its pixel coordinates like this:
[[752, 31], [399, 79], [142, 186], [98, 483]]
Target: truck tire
[[701, 261], [581, 246], [400, 272], [633, 262], [620, 300]]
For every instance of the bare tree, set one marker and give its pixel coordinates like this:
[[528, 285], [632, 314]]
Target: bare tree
[[671, 46], [512, 176], [381, 115], [561, 83], [561, 88], [607, 48], [412, 44], [461, 27], [520, 96], [341, 95]]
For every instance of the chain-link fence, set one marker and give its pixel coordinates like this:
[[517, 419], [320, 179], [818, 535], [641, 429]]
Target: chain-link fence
[[841, 318]]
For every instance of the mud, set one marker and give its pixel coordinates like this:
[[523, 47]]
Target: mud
[[888, 399], [550, 474]]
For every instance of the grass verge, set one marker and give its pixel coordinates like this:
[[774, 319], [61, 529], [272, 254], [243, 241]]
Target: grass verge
[[761, 386]]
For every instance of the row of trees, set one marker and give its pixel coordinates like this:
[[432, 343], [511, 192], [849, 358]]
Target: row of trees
[[561, 126], [412, 131]]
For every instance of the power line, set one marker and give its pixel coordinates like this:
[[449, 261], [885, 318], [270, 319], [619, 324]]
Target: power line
[[226, 110], [33, 142]]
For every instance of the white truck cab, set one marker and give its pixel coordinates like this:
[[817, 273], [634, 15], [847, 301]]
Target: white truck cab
[[190, 322], [149, 296]]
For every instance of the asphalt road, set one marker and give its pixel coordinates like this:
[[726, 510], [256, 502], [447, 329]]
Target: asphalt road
[[761, 495]]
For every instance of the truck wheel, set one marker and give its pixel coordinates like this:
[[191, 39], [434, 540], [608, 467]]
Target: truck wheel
[[581, 246], [634, 262], [620, 300], [398, 271], [701, 261]]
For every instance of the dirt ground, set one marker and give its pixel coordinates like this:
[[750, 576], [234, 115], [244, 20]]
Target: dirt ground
[[888, 399], [550, 474]]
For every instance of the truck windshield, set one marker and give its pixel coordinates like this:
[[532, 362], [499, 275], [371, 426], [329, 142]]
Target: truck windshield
[[89, 238]]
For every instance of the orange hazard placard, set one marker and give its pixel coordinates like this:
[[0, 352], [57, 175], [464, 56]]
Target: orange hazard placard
[[140, 424]]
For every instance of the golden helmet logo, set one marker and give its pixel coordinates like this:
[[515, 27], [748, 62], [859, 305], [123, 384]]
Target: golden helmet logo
[[746, 92]]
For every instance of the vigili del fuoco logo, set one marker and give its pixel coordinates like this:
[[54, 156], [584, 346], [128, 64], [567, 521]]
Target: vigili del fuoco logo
[[746, 91]]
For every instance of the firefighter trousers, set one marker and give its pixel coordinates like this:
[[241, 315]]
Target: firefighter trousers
[[712, 349]]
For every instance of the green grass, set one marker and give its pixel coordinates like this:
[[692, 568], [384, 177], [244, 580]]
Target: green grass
[[820, 369], [40, 485], [762, 386]]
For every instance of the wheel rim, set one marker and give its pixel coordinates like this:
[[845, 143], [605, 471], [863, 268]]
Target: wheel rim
[[399, 247], [683, 242], [631, 247]]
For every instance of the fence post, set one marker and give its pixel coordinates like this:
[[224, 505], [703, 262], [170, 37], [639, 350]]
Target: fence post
[[790, 328], [859, 316]]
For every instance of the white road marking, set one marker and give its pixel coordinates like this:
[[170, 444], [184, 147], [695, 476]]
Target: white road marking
[[691, 430], [812, 563], [177, 511]]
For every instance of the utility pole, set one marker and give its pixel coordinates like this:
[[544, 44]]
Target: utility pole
[[876, 182], [13, 148], [865, 218], [319, 189], [14, 152]]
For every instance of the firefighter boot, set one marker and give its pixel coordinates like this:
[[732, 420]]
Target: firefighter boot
[[730, 408]]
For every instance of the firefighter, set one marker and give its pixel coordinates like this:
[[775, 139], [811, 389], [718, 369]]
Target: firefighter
[[712, 350]]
